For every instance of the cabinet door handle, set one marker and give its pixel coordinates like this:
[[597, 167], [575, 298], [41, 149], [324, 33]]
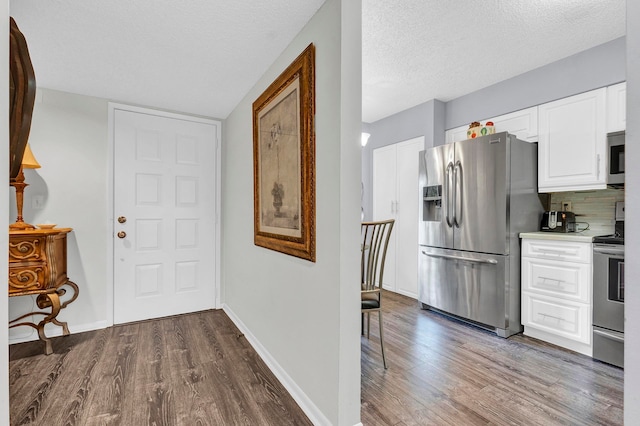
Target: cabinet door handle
[[545, 316], [598, 156], [558, 284], [558, 252]]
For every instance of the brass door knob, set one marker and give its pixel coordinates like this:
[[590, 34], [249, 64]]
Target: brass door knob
[[122, 234], [122, 219]]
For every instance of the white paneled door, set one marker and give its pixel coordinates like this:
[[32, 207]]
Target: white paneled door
[[164, 215]]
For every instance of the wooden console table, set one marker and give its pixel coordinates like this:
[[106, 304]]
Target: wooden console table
[[38, 266]]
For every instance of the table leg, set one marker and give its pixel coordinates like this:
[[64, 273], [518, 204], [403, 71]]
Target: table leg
[[44, 301], [49, 300]]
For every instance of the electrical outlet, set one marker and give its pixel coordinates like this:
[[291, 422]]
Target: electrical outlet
[[566, 206], [37, 202]]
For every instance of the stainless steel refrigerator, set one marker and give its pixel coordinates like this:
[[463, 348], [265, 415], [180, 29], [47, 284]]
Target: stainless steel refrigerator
[[476, 195]]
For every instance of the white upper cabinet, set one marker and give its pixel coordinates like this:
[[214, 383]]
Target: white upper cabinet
[[523, 124], [617, 107], [457, 134], [572, 143]]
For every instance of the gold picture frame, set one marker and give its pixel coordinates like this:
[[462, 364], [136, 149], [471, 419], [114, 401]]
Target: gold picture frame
[[284, 161]]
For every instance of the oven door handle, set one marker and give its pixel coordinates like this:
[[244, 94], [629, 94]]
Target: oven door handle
[[614, 252], [609, 336]]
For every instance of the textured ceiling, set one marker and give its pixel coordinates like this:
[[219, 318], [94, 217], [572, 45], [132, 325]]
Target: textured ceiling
[[196, 56], [203, 56], [417, 50]]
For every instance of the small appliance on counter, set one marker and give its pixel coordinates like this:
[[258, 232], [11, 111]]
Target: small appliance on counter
[[558, 221]]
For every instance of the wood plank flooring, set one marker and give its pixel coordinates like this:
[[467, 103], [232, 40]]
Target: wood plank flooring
[[194, 369], [444, 372], [197, 369]]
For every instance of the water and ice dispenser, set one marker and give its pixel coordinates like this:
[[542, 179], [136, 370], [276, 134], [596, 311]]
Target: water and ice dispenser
[[432, 203]]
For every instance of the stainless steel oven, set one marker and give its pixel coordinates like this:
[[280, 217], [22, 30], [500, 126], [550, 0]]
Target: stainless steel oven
[[608, 293], [608, 303]]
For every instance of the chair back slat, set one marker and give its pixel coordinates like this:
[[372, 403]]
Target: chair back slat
[[375, 240]]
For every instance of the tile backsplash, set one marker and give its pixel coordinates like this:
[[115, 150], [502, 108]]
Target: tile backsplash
[[597, 208]]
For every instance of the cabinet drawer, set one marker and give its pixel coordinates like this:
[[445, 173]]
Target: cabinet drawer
[[26, 249], [27, 277], [566, 280], [564, 318], [557, 250]]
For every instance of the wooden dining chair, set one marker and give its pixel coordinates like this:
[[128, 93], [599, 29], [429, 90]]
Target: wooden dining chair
[[375, 240]]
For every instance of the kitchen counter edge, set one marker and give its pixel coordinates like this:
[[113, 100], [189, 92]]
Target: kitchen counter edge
[[584, 237]]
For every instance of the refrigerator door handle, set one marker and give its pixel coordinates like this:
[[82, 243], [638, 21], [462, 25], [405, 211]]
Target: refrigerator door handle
[[447, 191], [457, 189], [467, 259]]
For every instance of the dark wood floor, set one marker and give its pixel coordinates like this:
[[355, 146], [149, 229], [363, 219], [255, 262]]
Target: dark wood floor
[[194, 369], [443, 372]]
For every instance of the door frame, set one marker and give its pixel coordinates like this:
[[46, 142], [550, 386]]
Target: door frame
[[112, 108]]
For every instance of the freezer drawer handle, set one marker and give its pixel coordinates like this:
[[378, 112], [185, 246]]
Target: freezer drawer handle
[[467, 259], [609, 336]]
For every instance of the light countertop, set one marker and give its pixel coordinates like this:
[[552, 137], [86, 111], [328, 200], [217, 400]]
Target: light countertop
[[584, 236]]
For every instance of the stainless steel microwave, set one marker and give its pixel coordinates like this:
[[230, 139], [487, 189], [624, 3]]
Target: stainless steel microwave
[[615, 160]]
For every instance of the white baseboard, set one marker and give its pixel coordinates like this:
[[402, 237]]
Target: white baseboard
[[310, 409], [56, 331]]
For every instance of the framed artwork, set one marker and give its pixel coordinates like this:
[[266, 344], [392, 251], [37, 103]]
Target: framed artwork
[[284, 161]]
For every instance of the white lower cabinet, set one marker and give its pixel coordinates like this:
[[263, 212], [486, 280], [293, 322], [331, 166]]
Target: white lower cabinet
[[557, 293], [562, 318]]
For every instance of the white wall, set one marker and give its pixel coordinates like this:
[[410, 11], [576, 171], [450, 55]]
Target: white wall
[[4, 211], [599, 66], [303, 317], [632, 222], [426, 119], [349, 386], [69, 139]]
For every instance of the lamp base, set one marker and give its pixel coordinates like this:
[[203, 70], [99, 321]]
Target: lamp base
[[20, 226]]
